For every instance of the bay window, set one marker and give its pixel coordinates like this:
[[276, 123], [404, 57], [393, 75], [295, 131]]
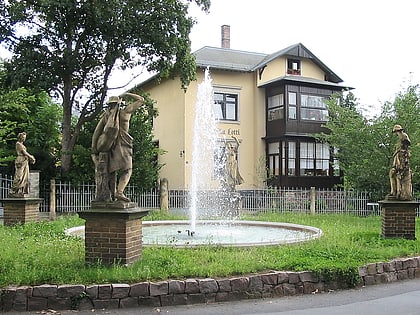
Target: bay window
[[314, 159]]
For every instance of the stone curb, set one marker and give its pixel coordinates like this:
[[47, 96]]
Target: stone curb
[[195, 291]]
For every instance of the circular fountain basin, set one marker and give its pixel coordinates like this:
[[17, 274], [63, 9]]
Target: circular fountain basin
[[211, 232]]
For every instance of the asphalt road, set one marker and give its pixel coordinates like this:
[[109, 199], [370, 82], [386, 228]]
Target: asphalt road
[[398, 298]]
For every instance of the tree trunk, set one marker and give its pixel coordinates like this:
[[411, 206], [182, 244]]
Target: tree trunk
[[67, 144]]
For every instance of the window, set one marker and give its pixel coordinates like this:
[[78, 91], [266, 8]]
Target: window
[[300, 159], [288, 153], [307, 155], [273, 159], [322, 159], [291, 161], [293, 66], [275, 105], [314, 159], [313, 108], [292, 102], [226, 106]]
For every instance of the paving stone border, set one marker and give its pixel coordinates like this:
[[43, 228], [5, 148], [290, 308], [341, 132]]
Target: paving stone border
[[194, 291]]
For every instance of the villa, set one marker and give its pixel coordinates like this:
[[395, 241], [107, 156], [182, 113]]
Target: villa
[[272, 103]]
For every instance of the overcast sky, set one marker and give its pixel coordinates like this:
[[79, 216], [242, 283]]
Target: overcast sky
[[373, 46]]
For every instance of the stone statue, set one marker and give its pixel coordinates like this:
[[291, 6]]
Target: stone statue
[[20, 185], [233, 177], [112, 148], [400, 173]]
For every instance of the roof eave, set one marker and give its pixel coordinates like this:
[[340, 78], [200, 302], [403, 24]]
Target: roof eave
[[223, 67], [304, 80]]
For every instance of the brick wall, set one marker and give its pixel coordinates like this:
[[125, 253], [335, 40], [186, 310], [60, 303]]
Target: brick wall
[[20, 210], [112, 238], [399, 220]]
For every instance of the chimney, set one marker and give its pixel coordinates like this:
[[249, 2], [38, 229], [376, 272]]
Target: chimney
[[225, 36]]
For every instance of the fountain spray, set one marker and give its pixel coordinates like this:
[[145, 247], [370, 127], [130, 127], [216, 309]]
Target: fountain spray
[[205, 135]]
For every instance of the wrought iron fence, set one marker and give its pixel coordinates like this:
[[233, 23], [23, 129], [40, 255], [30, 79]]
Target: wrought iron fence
[[72, 198], [299, 200], [5, 183]]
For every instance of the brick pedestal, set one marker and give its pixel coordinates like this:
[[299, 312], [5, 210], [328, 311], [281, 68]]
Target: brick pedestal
[[113, 233], [399, 219], [20, 210]]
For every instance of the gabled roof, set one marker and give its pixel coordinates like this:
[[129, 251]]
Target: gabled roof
[[227, 59], [245, 61], [300, 51], [237, 60]]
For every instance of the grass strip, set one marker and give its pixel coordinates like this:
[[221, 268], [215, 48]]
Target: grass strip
[[40, 253]]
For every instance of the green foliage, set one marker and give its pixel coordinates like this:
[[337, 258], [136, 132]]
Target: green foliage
[[356, 142], [156, 215], [405, 110], [145, 150], [73, 47], [365, 146], [82, 156], [38, 116], [41, 253], [7, 125]]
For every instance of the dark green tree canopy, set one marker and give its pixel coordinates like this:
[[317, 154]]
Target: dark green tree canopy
[[71, 47], [35, 114]]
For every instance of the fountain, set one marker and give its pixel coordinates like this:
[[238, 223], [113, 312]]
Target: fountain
[[212, 192], [203, 147], [214, 165], [218, 232]]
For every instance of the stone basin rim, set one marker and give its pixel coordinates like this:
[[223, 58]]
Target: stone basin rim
[[314, 233]]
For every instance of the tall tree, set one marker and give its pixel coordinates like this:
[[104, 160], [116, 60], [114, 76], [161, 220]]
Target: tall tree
[[355, 142], [145, 154], [7, 125], [72, 47], [365, 147], [405, 111], [38, 116]]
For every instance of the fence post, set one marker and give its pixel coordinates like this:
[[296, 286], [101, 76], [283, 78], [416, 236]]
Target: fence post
[[164, 201], [52, 200], [312, 196]]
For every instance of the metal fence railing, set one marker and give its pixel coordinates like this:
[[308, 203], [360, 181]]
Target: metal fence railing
[[73, 198], [5, 183], [299, 200]]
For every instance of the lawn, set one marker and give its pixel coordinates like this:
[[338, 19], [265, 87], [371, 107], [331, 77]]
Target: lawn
[[41, 253]]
